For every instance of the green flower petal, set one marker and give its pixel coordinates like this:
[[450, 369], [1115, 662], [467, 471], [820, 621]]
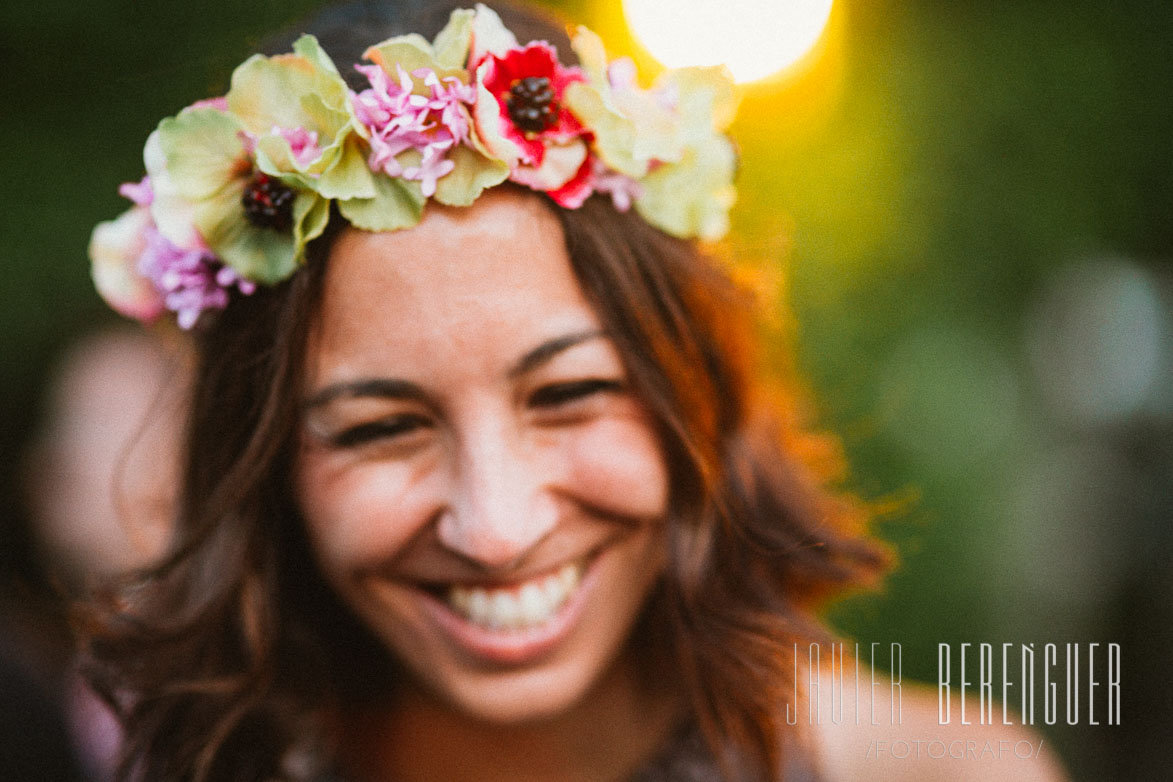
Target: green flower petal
[[706, 99], [310, 215], [473, 173], [114, 250], [592, 55], [397, 204], [298, 90], [259, 254], [202, 151], [268, 91], [631, 125], [349, 177], [411, 52], [692, 197], [263, 255], [308, 47], [615, 135], [452, 43], [220, 216], [274, 156]]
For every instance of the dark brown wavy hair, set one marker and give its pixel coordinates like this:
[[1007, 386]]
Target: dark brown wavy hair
[[221, 660]]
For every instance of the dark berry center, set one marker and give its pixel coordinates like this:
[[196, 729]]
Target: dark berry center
[[268, 203], [531, 104]]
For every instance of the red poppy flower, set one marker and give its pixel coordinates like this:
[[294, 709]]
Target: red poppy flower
[[528, 84]]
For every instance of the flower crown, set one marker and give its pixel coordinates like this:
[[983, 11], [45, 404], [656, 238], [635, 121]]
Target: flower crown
[[238, 185]]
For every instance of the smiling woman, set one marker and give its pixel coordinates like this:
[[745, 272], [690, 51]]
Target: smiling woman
[[480, 485], [481, 478]]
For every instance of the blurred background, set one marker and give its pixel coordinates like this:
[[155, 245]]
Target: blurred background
[[966, 209]]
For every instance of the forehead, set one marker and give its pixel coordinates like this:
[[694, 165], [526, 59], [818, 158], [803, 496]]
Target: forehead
[[492, 277]]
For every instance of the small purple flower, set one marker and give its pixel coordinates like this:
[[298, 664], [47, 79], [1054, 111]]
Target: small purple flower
[[191, 281]]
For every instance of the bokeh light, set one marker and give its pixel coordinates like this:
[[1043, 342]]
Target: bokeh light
[[1098, 340], [753, 38]]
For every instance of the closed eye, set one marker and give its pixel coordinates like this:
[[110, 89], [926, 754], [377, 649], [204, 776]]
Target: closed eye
[[558, 394], [382, 429]]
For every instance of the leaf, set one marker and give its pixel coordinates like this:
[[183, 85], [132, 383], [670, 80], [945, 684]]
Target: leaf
[[310, 215], [349, 177], [473, 174], [397, 204]]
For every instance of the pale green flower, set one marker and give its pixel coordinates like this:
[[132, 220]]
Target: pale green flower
[[201, 166], [250, 177], [632, 127], [692, 195], [669, 138], [297, 108]]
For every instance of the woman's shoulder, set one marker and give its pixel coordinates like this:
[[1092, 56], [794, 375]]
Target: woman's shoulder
[[873, 728]]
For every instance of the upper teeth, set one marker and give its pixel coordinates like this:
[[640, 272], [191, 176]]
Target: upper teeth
[[518, 606]]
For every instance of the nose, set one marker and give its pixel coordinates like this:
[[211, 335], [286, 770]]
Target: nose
[[499, 505]]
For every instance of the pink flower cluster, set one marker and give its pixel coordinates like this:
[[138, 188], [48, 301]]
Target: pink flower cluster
[[398, 120], [188, 280]]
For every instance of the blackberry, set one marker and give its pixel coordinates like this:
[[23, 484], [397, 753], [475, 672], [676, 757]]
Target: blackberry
[[268, 203], [531, 104]]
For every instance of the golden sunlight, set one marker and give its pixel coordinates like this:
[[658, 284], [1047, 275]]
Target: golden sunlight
[[753, 38]]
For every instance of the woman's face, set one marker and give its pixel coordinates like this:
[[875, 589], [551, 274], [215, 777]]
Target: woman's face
[[479, 483]]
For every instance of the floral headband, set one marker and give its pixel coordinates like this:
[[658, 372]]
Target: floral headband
[[238, 185]]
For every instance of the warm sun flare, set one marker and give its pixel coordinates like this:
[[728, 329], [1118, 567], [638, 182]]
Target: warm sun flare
[[753, 38]]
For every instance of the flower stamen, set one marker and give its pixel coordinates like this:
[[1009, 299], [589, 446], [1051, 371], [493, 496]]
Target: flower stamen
[[268, 203], [531, 104]]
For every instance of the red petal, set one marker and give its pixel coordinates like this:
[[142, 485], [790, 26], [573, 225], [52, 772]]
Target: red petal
[[536, 59]]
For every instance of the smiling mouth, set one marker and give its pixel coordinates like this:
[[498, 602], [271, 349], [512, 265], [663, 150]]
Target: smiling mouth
[[520, 606], [515, 623]]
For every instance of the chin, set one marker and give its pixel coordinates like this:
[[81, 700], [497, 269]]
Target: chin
[[534, 696]]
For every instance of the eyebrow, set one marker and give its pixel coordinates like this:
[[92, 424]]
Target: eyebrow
[[392, 388], [548, 349]]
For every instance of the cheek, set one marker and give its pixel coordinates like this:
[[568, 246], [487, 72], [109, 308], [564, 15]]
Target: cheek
[[357, 515], [618, 466]]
